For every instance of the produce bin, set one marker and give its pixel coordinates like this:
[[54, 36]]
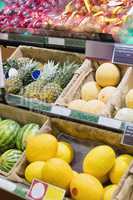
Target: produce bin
[[82, 138], [22, 117], [73, 90], [43, 56]]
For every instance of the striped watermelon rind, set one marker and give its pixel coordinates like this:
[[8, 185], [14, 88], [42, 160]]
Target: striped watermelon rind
[[8, 133], [9, 158], [26, 131]]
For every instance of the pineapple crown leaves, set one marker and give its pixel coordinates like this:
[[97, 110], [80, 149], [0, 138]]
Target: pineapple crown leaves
[[50, 70]]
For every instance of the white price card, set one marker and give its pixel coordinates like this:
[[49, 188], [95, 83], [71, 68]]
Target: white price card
[[9, 186], [112, 123], [61, 111], [56, 41], [127, 138], [43, 191]]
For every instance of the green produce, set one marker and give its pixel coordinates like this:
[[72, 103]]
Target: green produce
[[50, 92], [8, 133], [65, 73], [8, 159], [24, 133]]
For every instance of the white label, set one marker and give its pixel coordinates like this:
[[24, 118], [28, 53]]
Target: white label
[[4, 36], [109, 122], [61, 111], [7, 185], [56, 41]]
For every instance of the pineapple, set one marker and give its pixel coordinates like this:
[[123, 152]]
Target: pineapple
[[50, 92], [32, 90], [65, 73], [13, 85]]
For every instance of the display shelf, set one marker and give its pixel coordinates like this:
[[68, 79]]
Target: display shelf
[[65, 113]]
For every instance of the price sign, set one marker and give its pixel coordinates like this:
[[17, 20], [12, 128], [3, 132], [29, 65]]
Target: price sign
[[123, 54], [128, 135], [61, 110], [56, 41], [43, 191]]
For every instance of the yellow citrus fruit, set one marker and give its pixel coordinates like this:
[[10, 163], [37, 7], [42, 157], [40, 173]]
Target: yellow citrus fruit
[[65, 151], [41, 147], [108, 192], [95, 107], [107, 74], [34, 171], [57, 172], [125, 157], [86, 187], [90, 90], [119, 169], [99, 161], [79, 105], [105, 94], [129, 99]]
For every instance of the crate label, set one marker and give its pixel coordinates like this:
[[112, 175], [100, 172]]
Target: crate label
[[56, 41], [9, 186], [61, 111], [108, 122], [123, 54], [128, 135], [43, 191]]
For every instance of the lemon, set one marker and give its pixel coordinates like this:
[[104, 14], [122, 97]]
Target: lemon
[[41, 147], [34, 171], [119, 169], [65, 152], [108, 192], [99, 161], [107, 74], [105, 94], [57, 172], [90, 90], [86, 187], [125, 157], [129, 99]]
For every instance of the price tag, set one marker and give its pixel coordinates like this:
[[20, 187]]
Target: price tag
[[128, 135], [61, 111], [109, 122], [123, 54], [43, 191], [9, 186], [56, 41]]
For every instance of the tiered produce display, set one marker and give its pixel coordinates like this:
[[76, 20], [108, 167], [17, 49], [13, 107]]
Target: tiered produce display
[[76, 15], [79, 147]]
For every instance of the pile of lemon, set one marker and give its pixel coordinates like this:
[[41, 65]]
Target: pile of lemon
[[50, 162]]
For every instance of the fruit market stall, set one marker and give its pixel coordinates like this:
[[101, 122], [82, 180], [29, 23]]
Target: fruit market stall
[[66, 99]]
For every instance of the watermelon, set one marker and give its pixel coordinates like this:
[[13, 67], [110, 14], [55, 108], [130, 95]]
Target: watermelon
[[24, 133], [8, 133], [9, 158]]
